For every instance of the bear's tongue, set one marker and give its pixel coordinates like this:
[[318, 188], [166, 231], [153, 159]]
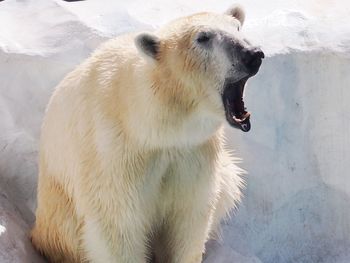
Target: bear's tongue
[[236, 114]]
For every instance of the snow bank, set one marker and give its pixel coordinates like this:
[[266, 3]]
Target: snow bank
[[296, 205]]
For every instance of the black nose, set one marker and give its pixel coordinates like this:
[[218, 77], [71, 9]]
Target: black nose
[[258, 53], [252, 59]]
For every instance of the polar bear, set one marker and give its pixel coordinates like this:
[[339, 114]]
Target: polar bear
[[132, 161]]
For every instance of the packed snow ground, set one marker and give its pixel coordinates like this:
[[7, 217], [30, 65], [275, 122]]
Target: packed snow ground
[[297, 202]]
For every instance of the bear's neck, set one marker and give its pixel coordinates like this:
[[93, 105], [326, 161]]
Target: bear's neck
[[169, 114]]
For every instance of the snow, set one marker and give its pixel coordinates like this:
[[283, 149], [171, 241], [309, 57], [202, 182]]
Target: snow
[[296, 205]]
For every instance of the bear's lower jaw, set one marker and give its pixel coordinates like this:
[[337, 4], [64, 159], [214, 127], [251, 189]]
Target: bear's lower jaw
[[232, 97]]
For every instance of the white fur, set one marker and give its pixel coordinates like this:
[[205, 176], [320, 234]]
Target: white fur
[[133, 153]]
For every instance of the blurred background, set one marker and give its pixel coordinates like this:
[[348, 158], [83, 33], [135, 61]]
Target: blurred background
[[296, 206]]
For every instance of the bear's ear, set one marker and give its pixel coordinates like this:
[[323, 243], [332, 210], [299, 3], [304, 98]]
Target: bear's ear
[[237, 12], [148, 44]]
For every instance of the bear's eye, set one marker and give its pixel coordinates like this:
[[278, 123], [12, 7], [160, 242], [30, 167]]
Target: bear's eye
[[204, 37]]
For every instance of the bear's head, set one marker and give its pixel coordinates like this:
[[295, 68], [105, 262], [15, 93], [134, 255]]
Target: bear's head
[[209, 59]]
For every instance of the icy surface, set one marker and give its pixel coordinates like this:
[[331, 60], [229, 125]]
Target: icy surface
[[297, 202]]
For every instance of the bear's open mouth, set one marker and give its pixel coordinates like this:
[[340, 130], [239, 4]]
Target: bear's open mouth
[[235, 111]]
